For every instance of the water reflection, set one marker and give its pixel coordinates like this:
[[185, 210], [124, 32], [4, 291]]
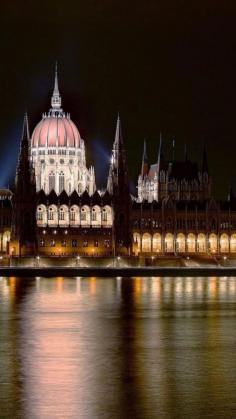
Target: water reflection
[[117, 348]]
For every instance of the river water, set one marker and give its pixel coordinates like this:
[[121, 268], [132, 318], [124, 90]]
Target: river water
[[117, 348]]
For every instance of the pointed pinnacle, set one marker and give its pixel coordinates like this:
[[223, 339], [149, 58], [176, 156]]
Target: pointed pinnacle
[[25, 131]]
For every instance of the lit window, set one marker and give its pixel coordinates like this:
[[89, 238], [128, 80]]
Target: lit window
[[61, 182]]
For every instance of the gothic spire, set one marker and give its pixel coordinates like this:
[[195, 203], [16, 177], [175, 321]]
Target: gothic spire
[[144, 169], [24, 172], [56, 98], [24, 146], [25, 130], [118, 166], [118, 136]]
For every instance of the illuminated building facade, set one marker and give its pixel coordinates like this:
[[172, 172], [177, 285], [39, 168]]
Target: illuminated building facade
[[56, 210]]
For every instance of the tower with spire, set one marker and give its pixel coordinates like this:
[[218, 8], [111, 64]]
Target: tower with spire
[[144, 168], [118, 187], [56, 98], [23, 241], [150, 177], [58, 152]]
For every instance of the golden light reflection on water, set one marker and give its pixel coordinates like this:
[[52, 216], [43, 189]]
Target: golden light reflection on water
[[133, 347]]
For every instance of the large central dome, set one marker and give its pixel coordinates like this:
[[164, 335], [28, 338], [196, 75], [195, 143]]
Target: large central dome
[[56, 128]]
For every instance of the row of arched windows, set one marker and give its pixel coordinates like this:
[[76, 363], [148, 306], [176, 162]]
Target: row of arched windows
[[74, 216], [190, 243]]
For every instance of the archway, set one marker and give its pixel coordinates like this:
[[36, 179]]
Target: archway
[[201, 243], [5, 240], [233, 243], [156, 243], [169, 243], [180, 243], [224, 243], [136, 243], [213, 243], [146, 242], [191, 243]]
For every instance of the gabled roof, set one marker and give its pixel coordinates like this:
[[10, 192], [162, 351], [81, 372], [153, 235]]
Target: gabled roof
[[107, 198], [41, 197], [63, 198], [96, 198], [85, 198], [52, 197], [74, 198]]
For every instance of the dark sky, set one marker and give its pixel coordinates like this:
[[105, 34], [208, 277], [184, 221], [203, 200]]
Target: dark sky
[[167, 66]]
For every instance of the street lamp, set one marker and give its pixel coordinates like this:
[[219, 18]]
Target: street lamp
[[37, 259], [77, 260]]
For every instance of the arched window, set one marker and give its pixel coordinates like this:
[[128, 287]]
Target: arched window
[[201, 243], [191, 243], [52, 216], [41, 216], [156, 242], [96, 216], [61, 182], [85, 216], [5, 240], [169, 243], [74, 215], [146, 242], [213, 243], [136, 243], [51, 181], [107, 216], [63, 216], [80, 190], [224, 243], [180, 243], [233, 243]]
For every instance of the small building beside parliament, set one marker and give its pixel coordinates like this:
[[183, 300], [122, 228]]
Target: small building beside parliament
[[55, 208]]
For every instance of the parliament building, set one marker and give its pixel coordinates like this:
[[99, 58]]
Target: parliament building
[[55, 208]]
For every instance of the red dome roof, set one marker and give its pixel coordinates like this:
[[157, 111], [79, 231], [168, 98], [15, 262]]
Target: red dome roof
[[55, 131]]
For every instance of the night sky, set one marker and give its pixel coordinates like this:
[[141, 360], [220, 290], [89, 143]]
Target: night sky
[[166, 66]]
